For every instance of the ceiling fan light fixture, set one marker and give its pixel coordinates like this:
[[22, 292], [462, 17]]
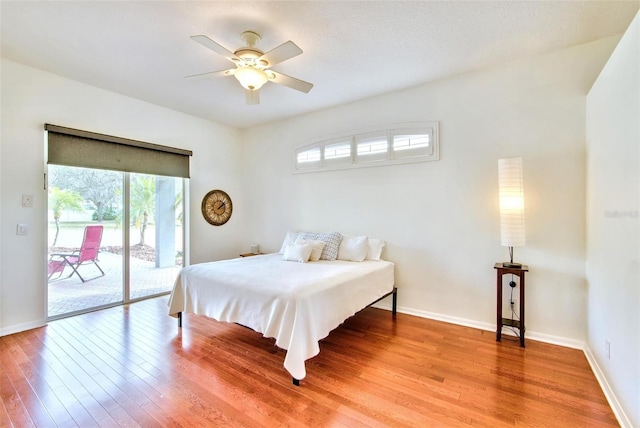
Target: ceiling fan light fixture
[[251, 78], [252, 65]]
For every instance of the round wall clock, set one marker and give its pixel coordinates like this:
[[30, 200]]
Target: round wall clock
[[217, 207]]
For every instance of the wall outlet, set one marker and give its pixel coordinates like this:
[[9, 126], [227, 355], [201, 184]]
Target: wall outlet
[[607, 349]]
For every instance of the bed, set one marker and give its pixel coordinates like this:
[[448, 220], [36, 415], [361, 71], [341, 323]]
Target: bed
[[298, 304]]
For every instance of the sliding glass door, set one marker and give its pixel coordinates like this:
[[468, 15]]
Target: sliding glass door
[[156, 238], [81, 199], [135, 223]]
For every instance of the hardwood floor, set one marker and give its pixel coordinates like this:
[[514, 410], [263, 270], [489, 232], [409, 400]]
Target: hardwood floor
[[132, 366]]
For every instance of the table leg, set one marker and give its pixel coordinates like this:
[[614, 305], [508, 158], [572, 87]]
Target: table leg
[[522, 325], [499, 309]]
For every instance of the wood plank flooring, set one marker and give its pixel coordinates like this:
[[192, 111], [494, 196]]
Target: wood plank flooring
[[131, 366]]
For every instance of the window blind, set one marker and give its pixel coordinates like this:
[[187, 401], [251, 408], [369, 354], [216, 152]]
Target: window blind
[[74, 147]]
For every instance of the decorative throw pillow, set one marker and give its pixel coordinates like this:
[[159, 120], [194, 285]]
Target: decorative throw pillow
[[289, 239], [297, 253], [375, 249], [353, 248], [331, 241], [316, 248]]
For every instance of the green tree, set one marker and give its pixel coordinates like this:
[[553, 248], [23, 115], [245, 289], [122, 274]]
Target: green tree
[[96, 185], [143, 201], [60, 200]]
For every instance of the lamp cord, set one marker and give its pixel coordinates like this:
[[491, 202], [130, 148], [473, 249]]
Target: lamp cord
[[514, 317]]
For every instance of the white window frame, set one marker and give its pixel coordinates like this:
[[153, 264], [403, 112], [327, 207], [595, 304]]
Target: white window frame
[[355, 160]]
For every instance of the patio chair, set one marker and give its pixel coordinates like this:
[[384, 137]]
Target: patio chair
[[88, 253]]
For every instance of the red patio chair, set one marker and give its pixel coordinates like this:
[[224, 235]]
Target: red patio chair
[[88, 253]]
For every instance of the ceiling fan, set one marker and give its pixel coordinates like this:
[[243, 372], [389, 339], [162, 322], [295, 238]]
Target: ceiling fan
[[253, 67]]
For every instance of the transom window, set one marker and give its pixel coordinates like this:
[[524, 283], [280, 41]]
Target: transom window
[[338, 151], [412, 142], [408, 142], [308, 158]]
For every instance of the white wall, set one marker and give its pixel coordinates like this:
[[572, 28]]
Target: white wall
[[29, 99], [440, 219], [613, 221]]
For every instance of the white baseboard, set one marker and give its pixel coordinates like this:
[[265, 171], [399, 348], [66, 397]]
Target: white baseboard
[[542, 337], [618, 411], [17, 328]]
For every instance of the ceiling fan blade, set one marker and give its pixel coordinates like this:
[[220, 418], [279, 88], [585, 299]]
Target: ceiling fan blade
[[220, 73], [253, 97], [216, 47], [291, 82], [283, 52]]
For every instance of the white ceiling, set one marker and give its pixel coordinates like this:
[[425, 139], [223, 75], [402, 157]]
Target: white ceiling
[[352, 49]]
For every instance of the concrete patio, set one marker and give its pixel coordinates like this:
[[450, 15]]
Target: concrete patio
[[72, 295]]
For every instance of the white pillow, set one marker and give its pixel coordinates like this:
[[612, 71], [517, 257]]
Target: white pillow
[[353, 248], [289, 239], [316, 248], [375, 249], [297, 253]]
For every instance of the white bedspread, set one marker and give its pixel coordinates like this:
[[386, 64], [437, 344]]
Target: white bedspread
[[298, 304]]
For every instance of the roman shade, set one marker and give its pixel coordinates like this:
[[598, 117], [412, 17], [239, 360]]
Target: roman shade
[[74, 147]]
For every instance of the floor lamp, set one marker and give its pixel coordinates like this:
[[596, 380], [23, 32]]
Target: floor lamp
[[511, 189]]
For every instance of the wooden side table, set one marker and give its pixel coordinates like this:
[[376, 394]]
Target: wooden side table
[[249, 254], [519, 324]]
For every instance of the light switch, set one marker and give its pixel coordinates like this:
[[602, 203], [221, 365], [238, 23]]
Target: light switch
[[27, 201], [23, 229]]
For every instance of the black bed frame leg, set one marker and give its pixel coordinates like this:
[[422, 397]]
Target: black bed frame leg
[[395, 301], [296, 382], [179, 319]]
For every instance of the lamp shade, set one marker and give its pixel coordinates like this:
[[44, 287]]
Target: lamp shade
[[251, 78], [511, 189]]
